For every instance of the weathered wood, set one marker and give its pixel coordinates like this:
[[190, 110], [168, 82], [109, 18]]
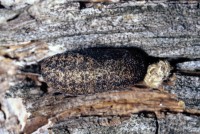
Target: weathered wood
[[31, 32], [122, 103], [155, 27], [111, 103]]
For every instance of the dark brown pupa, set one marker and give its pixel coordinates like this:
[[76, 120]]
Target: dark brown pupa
[[93, 70]]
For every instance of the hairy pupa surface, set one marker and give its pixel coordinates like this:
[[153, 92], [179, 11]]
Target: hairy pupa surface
[[93, 70]]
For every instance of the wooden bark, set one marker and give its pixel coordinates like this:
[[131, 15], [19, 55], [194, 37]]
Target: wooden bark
[[163, 29]]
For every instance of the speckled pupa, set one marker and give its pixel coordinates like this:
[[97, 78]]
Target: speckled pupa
[[92, 70]]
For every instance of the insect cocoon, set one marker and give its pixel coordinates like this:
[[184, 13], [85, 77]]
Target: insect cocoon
[[93, 70]]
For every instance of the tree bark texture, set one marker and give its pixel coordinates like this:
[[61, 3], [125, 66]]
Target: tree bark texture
[[33, 30]]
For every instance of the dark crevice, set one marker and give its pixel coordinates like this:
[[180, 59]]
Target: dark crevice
[[32, 17], [4, 114], [187, 112], [188, 72], [44, 87], [140, 86], [13, 18], [174, 61], [57, 94], [9, 57], [82, 5], [33, 68], [146, 114], [28, 79], [1, 6], [157, 124]]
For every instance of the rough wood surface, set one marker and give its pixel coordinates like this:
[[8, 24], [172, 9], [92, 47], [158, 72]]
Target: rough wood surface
[[118, 103], [111, 103], [154, 26], [33, 30]]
